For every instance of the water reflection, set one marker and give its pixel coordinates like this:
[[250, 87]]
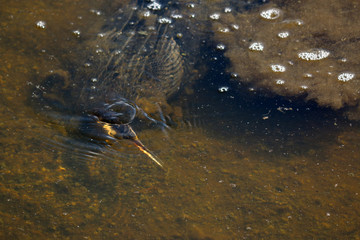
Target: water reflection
[[243, 163]]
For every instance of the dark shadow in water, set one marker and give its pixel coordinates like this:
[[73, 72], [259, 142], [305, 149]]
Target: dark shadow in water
[[231, 110]]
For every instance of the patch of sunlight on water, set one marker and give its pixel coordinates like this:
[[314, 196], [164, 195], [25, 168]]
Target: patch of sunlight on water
[[239, 163]]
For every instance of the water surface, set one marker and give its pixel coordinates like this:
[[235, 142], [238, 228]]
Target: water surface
[[243, 162]]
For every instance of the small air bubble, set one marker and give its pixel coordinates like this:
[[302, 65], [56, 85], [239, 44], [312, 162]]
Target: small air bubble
[[147, 14], [345, 77], [164, 20], [256, 46], [176, 16], [277, 68], [220, 46], [99, 50], [215, 16], [235, 26], [299, 22], [154, 6], [76, 33], [224, 29], [304, 87], [223, 89], [283, 34], [101, 35], [271, 14], [41, 24], [96, 12], [94, 80], [280, 82], [234, 75], [227, 10]]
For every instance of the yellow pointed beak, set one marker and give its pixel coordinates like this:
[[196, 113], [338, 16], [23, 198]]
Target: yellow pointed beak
[[109, 129], [147, 152]]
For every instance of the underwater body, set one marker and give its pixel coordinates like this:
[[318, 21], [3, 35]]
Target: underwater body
[[251, 108]]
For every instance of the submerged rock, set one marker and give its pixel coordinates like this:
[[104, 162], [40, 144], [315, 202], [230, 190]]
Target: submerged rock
[[308, 49]]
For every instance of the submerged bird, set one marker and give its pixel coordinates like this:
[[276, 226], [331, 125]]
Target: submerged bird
[[135, 61]]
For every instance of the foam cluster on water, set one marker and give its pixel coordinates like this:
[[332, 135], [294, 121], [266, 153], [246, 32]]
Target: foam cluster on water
[[256, 46], [164, 20], [41, 24], [270, 14], [154, 6], [345, 77], [314, 54], [284, 34], [308, 49], [277, 68], [215, 16]]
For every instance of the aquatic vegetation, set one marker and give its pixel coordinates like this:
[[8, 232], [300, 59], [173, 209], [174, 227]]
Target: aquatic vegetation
[[307, 49]]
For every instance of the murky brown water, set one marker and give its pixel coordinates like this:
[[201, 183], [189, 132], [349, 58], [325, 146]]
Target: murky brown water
[[241, 164]]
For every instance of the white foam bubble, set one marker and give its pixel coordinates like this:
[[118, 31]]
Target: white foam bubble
[[99, 50], [101, 35], [154, 6], [227, 10], [346, 76], [271, 14], [147, 14], [176, 16], [224, 29], [215, 16], [223, 89], [220, 46], [256, 46], [96, 12], [283, 34], [277, 68], [314, 54], [235, 26], [41, 24], [164, 20], [280, 82], [77, 33]]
